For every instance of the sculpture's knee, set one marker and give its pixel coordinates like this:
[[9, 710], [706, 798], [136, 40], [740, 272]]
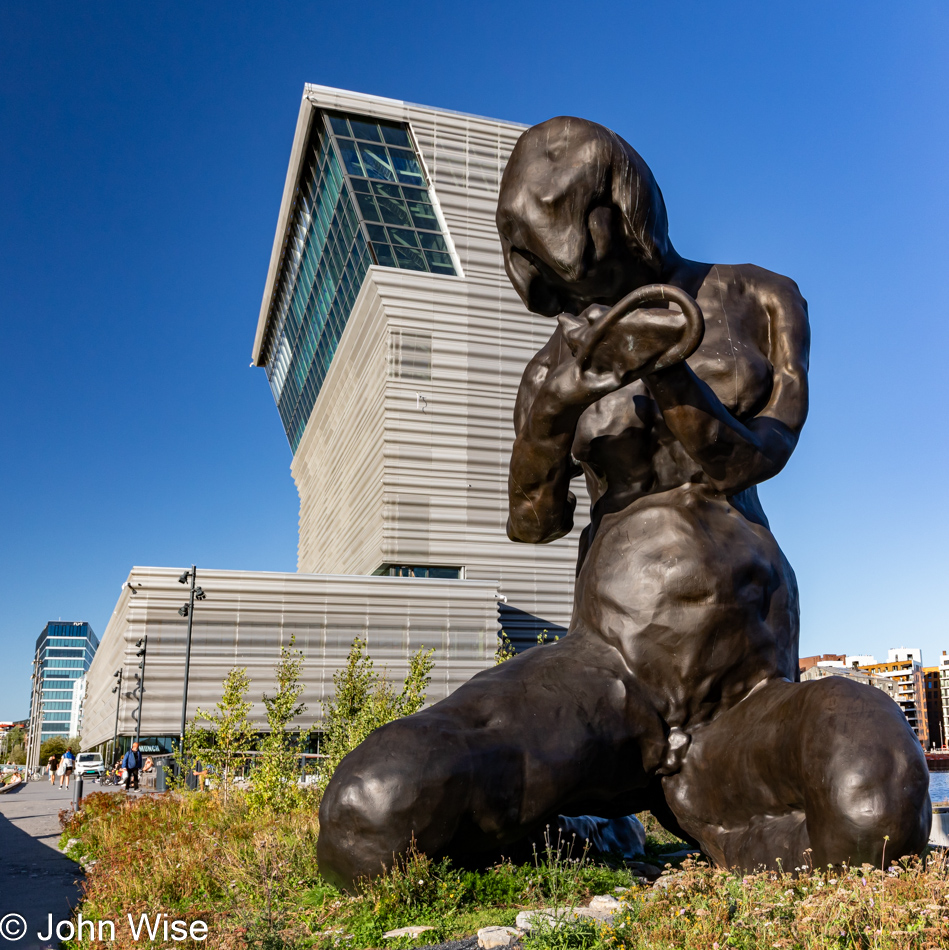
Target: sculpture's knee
[[869, 798], [881, 819], [361, 825]]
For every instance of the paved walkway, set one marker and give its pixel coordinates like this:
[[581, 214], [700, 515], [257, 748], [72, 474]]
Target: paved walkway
[[36, 880]]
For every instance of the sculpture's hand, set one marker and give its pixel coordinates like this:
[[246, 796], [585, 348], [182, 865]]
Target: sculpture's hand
[[588, 357], [612, 346], [626, 350]]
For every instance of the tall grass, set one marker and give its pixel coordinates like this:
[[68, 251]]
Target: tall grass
[[867, 908], [194, 858], [253, 879]]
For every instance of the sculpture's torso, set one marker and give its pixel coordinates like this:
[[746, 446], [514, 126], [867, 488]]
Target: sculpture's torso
[[672, 569], [625, 448]]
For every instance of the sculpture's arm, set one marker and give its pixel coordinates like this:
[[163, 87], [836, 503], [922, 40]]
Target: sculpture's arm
[[581, 362], [541, 504], [737, 455]]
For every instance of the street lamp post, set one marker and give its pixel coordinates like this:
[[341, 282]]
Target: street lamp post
[[187, 610], [142, 645], [33, 744], [117, 689]]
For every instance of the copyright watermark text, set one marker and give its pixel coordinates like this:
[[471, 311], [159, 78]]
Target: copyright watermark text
[[152, 927]]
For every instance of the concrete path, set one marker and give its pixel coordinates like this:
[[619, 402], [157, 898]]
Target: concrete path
[[36, 880]]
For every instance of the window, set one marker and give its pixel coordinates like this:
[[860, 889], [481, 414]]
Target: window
[[410, 354], [362, 200], [392, 194], [418, 570]]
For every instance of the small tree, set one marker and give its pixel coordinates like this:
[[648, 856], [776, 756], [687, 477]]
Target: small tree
[[274, 779], [54, 746], [16, 746], [505, 649], [224, 743], [364, 700]]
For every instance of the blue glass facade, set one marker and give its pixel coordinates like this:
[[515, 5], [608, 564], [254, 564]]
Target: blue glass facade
[[362, 199], [64, 652]]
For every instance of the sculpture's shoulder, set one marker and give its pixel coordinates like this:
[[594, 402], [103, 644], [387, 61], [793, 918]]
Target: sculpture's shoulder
[[774, 291]]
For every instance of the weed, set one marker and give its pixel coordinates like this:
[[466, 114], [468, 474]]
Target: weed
[[253, 879]]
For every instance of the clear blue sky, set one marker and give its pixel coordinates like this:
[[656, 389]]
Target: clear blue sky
[[143, 149]]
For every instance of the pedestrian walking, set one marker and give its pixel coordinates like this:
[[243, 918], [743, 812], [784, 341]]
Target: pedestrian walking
[[132, 762], [51, 767], [66, 767]]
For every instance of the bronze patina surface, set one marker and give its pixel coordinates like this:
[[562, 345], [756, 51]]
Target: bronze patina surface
[[674, 388]]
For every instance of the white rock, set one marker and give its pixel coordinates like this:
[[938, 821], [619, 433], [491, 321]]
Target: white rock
[[595, 913], [405, 932], [525, 918], [558, 916], [490, 938], [605, 902]]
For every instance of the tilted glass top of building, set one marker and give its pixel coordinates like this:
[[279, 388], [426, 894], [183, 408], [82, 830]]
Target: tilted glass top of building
[[362, 199]]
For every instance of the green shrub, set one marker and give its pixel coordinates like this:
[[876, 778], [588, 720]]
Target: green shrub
[[364, 700], [274, 778], [225, 742]]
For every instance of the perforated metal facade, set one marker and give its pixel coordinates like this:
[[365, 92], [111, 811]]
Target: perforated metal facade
[[404, 456], [249, 615]]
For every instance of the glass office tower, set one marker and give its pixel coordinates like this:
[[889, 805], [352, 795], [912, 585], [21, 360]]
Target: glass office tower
[[63, 654]]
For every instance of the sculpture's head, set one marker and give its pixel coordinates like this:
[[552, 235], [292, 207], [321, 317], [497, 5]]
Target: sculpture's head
[[580, 216]]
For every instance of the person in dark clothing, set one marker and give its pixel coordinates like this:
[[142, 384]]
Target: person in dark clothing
[[132, 762]]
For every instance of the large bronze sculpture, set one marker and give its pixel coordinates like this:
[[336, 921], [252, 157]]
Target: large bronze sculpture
[[674, 387]]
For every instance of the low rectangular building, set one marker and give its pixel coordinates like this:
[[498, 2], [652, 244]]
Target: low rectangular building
[[904, 667], [816, 672], [245, 620]]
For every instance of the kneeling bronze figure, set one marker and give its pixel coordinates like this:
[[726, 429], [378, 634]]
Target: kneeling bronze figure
[[674, 388]]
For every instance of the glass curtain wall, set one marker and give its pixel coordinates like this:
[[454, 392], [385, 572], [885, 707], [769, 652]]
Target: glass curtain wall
[[64, 651], [362, 199]]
